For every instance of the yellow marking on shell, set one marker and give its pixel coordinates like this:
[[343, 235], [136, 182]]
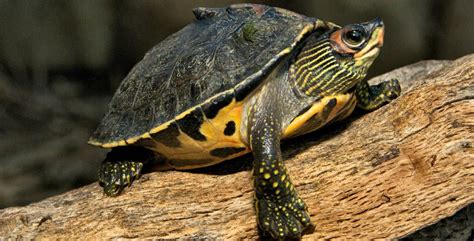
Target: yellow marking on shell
[[266, 176], [306, 29], [316, 108], [213, 130]]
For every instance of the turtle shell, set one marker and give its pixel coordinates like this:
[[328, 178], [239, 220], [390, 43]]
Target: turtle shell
[[224, 52]]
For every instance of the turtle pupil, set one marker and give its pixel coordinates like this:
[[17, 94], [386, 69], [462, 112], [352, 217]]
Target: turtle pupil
[[354, 38]]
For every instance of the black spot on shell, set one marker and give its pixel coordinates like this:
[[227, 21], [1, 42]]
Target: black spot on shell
[[191, 123], [226, 151], [212, 107], [168, 136], [229, 128]]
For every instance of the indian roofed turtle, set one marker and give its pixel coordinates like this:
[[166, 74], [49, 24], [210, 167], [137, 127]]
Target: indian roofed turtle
[[239, 80]]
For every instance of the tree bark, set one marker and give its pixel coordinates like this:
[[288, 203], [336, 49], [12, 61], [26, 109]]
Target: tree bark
[[384, 174]]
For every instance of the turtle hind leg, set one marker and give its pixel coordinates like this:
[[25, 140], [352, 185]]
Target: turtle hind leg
[[371, 97], [121, 167], [114, 176]]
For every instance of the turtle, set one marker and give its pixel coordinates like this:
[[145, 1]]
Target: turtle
[[238, 80]]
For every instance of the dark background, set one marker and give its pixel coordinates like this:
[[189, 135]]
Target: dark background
[[60, 62]]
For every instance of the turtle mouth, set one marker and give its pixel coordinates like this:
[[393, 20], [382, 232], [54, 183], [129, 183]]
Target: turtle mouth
[[371, 54]]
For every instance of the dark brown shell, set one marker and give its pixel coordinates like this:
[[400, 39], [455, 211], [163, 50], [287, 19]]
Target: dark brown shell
[[224, 49]]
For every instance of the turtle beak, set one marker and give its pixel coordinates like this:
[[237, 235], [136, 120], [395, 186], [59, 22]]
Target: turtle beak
[[376, 29]]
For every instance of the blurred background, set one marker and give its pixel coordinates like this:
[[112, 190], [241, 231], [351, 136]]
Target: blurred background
[[61, 60]]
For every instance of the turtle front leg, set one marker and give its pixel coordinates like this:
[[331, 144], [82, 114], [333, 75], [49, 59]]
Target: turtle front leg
[[121, 167], [371, 97], [280, 211]]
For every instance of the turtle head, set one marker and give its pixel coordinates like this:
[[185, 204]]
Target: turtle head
[[336, 61], [356, 46]]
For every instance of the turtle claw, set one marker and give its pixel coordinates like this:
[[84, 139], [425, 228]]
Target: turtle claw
[[283, 220], [114, 176]]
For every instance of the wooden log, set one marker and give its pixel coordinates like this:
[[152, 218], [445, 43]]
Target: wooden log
[[384, 174]]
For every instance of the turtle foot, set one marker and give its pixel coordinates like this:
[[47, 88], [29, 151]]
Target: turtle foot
[[388, 90], [283, 219], [114, 176], [372, 97]]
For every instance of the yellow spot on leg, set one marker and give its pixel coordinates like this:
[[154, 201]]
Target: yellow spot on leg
[[275, 184]]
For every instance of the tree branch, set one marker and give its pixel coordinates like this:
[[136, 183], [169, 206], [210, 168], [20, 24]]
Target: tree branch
[[381, 175]]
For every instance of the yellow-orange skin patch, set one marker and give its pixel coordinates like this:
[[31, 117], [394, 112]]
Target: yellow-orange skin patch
[[316, 112]]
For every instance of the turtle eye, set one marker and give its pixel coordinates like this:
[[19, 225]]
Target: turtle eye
[[354, 38]]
